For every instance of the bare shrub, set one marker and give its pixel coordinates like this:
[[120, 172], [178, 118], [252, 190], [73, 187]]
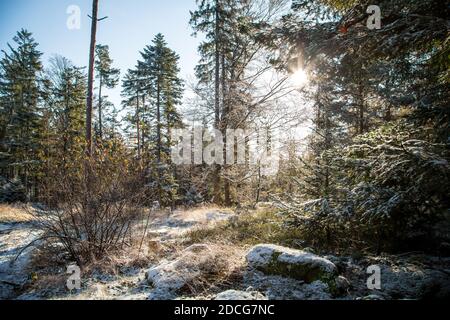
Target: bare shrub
[[94, 206]]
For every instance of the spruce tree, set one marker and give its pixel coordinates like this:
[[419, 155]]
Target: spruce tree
[[164, 88], [108, 77], [21, 117], [131, 93], [65, 103]]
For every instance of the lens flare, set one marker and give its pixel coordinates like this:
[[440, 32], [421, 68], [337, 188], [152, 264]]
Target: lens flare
[[300, 77]]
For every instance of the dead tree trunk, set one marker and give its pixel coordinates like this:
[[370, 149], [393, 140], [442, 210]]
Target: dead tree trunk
[[91, 78]]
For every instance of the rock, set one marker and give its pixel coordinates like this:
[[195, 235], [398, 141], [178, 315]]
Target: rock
[[339, 262], [314, 291], [308, 249], [300, 265], [435, 286], [281, 288], [371, 297], [161, 294], [168, 278], [240, 295], [342, 285]]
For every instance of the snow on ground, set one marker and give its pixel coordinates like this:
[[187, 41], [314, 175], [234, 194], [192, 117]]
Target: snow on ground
[[164, 228], [263, 255], [13, 273], [407, 277], [169, 226]]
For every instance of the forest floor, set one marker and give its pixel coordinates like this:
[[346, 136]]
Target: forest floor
[[199, 253]]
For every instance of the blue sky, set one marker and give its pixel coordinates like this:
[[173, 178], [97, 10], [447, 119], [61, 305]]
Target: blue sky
[[130, 27]]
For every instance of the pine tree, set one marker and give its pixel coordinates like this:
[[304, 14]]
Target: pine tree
[[65, 103], [132, 93], [384, 102], [21, 118], [164, 88], [107, 76]]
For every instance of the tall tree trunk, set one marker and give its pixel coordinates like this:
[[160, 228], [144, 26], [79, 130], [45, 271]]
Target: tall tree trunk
[[258, 187], [216, 171], [100, 125], [327, 148], [144, 131], [172, 166], [158, 137], [138, 126], [225, 113], [91, 78]]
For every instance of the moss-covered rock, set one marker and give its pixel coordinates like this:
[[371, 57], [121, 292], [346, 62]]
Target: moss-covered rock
[[286, 262]]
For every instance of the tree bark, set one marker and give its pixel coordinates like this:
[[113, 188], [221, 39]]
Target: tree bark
[[91, 78], [224, 124], [158, 137], [216, 171], [138, 126], [100, 126], [144, 131]]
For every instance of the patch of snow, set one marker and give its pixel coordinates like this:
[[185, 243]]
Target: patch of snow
[[281, 288], [180, 222], [262, 255], [169, 277], [13, 273], [240, 295]]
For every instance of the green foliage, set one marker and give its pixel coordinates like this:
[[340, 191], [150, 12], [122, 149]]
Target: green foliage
[[20, 115], [391, 190], [376, 172], [11, 191], [108, 77], [153, 92]]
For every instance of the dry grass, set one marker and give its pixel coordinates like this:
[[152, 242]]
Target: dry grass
[[200, 214], [14, 213], [48, 265], [52, 255], [50, 282], [215, 266], [151, 253], [258, 226]]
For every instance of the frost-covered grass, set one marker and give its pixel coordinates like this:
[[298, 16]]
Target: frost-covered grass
[[199, 269], [254, 227], [119, 274], [14, 213]]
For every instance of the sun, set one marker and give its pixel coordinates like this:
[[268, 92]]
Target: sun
[[300, 77]]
